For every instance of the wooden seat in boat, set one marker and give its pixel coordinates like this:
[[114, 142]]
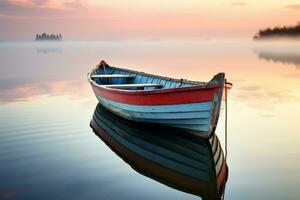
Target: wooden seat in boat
[[124, 86], [111, 76]]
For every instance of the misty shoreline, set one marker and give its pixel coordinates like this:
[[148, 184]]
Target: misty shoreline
[[279, 33]]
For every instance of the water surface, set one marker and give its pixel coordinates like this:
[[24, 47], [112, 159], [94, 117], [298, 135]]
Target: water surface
[[48, 150]]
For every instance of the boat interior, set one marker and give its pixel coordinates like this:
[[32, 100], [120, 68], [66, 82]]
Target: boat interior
[[113, 77]]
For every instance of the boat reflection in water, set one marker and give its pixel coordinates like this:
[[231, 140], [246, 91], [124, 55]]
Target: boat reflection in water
[[170, 156]]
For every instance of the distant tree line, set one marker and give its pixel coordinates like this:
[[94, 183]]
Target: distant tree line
[[45, 36], [285, 31]]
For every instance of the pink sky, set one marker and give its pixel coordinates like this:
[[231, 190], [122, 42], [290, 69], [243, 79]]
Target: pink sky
[[107, 19]]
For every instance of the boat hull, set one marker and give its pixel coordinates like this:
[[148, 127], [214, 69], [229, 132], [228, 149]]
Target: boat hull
[[194, 108], [187, 114]]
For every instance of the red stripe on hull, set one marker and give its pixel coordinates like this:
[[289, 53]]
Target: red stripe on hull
[[222, 177], [159, 97]]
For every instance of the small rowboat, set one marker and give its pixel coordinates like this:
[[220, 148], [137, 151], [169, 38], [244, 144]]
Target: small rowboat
[[190, 105], [168, 155]]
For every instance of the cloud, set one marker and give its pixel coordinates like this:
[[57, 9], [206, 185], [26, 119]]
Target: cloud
[[20, 11], [238, 3], [73, 4], [23, 89], [264, 98], [293, 6], [267, 115], [293, 75], [46, 4], [39, 2], [26, 3], [250, 88]]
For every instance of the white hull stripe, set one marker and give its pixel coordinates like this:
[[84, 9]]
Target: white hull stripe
[[194, 116]]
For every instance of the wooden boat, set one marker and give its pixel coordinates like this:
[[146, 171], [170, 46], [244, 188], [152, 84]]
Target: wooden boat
[[168, 155], [190, 105]]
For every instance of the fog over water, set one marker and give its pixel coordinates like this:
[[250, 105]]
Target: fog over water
[[48, 150]]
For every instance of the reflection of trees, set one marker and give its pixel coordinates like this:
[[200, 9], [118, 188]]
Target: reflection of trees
[[285, 58], [47, 50]]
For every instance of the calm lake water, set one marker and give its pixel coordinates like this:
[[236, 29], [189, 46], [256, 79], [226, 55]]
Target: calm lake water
[[49, 151]]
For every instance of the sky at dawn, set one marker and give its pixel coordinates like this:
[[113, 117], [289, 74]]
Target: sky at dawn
[[141, 19]]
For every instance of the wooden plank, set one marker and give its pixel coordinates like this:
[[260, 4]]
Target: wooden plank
[[111, 76], [133, 85]]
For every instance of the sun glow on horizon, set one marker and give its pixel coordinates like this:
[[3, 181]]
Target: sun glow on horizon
[[98, 19]]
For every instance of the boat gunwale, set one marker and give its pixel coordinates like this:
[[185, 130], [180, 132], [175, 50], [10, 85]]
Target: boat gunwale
[[156, 91], [164, 77], [198, 86]]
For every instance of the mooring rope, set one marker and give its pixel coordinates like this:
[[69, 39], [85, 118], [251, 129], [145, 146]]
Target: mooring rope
[[225, 121], [223, 195]]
